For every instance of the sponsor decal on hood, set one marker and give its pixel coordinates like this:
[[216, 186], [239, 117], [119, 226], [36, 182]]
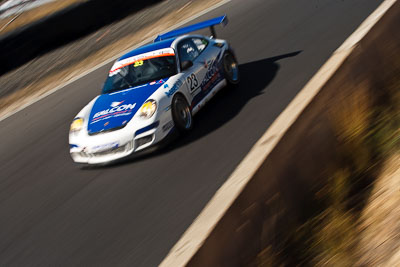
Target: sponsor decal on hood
[[115, 110]]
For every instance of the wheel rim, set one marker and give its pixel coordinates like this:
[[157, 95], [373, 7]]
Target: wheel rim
[[231, 68], [183, 113]]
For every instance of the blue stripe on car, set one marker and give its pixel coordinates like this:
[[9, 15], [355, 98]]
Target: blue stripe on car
[[147, 128]]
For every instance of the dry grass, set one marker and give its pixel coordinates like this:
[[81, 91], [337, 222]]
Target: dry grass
[[359, 223], [35, 14], [351, 119], [334, 238], [380, 221], [367, 123], [368, 135]]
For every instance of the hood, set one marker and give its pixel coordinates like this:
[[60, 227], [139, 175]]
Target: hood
[[115, 110]]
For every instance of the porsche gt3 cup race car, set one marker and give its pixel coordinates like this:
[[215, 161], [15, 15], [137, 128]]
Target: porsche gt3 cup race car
[[152, 91]]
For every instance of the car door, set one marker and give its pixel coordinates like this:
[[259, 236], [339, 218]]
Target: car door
[[208, 73], [193, 76]]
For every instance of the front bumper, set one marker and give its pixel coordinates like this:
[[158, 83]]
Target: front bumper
[[112, 146], [82, 156]]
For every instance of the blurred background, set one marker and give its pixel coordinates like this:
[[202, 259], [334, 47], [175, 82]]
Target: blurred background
[[327, 194]]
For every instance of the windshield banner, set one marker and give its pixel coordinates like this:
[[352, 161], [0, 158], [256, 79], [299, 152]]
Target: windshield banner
[[132, 60]]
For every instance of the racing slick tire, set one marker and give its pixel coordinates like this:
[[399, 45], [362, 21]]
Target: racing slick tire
[[181, 113], [231, 69]]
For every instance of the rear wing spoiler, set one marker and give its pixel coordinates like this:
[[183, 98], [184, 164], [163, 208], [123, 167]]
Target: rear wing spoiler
[[191, 28]]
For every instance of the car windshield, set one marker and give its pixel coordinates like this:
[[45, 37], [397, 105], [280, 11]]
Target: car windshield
[[138, 72]]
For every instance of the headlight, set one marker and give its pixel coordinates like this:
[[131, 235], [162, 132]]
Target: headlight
[[76, 125], [148, 109]]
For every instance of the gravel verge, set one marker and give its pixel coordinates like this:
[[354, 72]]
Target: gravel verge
[[24, 18]]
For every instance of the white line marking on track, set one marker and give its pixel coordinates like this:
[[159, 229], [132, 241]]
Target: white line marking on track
[[7, 115], [201, 228]]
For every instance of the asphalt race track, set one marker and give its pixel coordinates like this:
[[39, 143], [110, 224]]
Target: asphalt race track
[[52, 213]]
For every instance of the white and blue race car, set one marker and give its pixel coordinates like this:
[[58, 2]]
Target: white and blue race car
[[152, 91]]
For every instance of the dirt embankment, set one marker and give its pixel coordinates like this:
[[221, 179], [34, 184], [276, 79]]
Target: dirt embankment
[[18, 20]]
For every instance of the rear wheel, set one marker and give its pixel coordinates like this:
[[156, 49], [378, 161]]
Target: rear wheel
[[231, 69], [181, 113]]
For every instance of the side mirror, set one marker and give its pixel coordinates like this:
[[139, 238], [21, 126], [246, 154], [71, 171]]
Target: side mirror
[[186, 64]]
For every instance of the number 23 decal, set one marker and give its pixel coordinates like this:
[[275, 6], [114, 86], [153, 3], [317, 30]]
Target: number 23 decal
[[193, 83]]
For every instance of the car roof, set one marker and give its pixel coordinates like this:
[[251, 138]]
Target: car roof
[[148, 48]]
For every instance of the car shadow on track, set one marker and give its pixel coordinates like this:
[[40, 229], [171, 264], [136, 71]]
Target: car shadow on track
[[255, 77]]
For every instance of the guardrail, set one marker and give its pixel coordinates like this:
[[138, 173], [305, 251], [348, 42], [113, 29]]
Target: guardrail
[[271, 191], [78, 20]]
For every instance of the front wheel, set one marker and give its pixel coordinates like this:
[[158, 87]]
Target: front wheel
[[181, 113], [231, 69]]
